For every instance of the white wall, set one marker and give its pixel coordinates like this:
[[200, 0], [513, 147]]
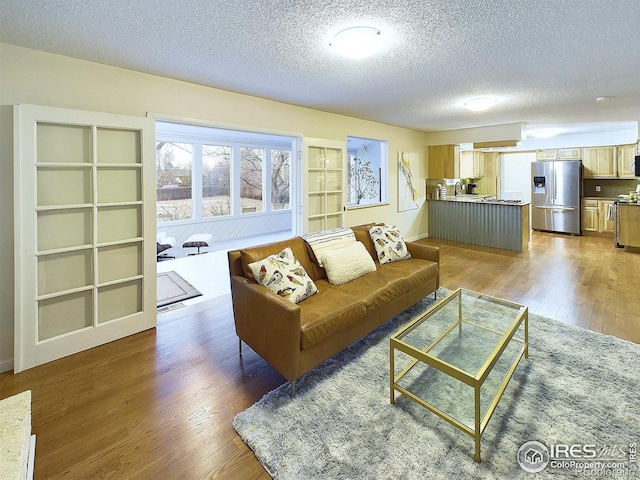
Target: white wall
[[30, 76], [516, 175]]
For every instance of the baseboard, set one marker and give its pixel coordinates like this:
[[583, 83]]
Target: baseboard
[[416, 238], [6, 365]]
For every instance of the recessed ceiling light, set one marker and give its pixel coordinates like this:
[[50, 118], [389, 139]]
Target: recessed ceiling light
[[480, 104], [357, 42], [602, 99]]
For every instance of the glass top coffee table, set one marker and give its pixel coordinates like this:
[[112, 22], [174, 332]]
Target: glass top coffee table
[[468, 339]]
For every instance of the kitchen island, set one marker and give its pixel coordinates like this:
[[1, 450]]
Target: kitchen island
[[489, 222]]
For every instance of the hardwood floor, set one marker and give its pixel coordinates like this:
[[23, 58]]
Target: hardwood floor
[[160, 404]]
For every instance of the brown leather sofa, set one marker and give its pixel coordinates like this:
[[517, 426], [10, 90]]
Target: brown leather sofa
[[294, 338]]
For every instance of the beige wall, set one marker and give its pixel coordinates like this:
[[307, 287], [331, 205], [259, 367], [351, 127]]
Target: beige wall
[[30, 76]]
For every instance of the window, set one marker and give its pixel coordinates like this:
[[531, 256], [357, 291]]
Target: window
[[366, 171], [216, 180], [207, 173], [174, 179], [280, 179], [251, 172]]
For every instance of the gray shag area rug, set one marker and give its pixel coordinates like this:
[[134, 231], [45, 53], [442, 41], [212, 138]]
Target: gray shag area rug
[[577, 387]]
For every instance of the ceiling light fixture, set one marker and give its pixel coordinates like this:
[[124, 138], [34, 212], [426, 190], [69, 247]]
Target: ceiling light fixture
[[480, 104], [357, 42]]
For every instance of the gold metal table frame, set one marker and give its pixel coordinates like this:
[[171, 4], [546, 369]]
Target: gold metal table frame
[[475, 379]]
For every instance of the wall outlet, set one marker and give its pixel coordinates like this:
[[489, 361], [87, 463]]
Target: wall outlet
[[597, 188]]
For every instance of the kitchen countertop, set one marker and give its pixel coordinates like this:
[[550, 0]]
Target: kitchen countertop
[[479, 199]]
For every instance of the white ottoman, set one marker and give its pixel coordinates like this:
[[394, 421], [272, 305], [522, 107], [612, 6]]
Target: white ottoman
[[198, 241]]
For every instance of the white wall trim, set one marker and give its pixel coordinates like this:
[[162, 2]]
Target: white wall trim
[[6, 365], [161, 117]]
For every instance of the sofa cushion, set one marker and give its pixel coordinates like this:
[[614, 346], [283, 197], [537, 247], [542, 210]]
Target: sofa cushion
[[416, 270], [389, 244], [284, 276], [326, 313], [253, 254], [377, 289], [362, 235], [331, 239], [348, 263]]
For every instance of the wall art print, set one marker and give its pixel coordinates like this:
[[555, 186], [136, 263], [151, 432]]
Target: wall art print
[[407, 184]]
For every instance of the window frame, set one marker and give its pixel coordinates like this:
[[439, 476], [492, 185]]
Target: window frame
[[383, 177], [197, 136]]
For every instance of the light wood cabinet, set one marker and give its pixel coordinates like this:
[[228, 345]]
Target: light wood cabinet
[[629, 216], [544, 155], [440, 162], [472, 164], [599, 162], [626, 156], [590, 216], [595, 217], [570, 154]]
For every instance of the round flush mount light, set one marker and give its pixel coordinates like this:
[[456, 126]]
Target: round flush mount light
[[357, 42], [480, 104], [603, 99]]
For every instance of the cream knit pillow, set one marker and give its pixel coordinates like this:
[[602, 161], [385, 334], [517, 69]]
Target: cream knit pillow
[[348, 263]]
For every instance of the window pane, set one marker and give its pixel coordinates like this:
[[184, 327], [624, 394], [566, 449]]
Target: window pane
[[280, 179], [251, 166], [366, 171], [216, 180], [173, 180]]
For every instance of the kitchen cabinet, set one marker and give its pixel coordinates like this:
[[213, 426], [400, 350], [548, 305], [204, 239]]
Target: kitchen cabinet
[[472, 164], [570, 154], [625, 158], [544, 155], [595, 218], [440, 162], [629, 216], [489, 184], [599, 162]]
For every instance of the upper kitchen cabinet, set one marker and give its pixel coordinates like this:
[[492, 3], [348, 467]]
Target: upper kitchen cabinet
[[544, 155], [600, 162], [626, 158], [441, 162], [570, 154], [472, 164]]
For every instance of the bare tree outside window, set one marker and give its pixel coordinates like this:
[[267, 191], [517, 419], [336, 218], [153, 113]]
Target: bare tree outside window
[[280, 179], [251, 168], [173, 180], [216, 180], [361, 178], [367, 177]]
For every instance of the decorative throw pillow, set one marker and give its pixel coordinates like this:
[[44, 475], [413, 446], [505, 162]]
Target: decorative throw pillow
[[348, 263], [283, 275], [389, 244]]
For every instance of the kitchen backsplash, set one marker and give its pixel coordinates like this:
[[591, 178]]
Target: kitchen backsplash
[[608, 188]]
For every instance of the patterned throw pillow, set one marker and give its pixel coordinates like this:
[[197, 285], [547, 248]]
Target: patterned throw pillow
[[389, 244], [283, 275]]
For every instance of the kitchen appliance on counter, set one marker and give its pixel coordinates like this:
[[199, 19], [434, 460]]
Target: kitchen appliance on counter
[[471, 187], [555, 196]]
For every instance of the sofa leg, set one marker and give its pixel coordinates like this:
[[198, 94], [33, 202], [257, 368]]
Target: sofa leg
[[293, 389], [240, 346]]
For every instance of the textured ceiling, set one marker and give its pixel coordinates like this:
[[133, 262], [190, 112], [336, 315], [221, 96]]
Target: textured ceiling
[[547, 60]]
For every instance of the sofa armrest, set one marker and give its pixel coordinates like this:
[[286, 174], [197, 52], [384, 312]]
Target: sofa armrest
[[426, 252], [268, 323]]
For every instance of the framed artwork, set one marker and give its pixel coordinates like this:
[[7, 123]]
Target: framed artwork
[[407, 184]]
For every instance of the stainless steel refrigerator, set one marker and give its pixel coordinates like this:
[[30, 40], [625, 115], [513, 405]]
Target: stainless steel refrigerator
[[556, 188]]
